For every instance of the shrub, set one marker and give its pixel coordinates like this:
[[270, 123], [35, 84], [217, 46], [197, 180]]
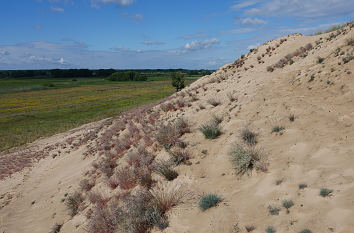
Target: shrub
[[214, 102], [164, 169], [167, 136], [182, 126], [178, 79], [250, 228], [245, 159], [288, 204], [56, 228], [325, 192], [273, 210], [126, 178], [302, 186], [270, 68], [86, 185], [208, 201], [270, 229], [347, 59], [210, 130], [320, 60], [73, 203], [292, 117], [278, 182], [305, 231], [277, 129], [127, 76], [249, 137], [350, 42], [312, 78], [168, 195], [179, 156]]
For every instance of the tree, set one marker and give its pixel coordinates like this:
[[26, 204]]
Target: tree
[[178, 80]]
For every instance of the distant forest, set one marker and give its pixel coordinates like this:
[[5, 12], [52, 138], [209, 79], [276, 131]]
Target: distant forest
[[85, 73]]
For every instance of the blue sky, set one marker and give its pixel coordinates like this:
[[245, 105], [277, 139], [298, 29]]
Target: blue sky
[[192, 34]]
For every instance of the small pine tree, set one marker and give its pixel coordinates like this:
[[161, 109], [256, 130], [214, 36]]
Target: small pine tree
[[178, 80]]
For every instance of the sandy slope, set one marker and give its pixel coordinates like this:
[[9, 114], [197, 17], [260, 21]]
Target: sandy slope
[[316, 149]]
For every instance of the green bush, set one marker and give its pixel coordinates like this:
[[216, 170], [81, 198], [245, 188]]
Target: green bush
[[270, 229], [273, 210], [245, 159], [127, 76], [210, 130], [325, 192], [208, 201], [288, 204], [178, 79]]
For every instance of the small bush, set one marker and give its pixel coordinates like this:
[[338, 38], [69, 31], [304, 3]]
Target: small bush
[[245, 159], [292, 117], [350, 42], [86, 185], [126, 178], [273, 210], [56, 228], [179, 156], [270, 229], [214, 102], [302, 186], [167, 136], [250, 228], [325, 192], [278, 182], [210, 130], [277, 129], [320, 60], [249, 137], [305, 231], [208, 201], [288, 204], [164, 169], [73, 203]]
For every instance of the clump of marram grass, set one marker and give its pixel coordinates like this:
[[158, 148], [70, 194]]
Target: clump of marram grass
[[277, 128], [273, 210], [211, 129], [249, 137], [245, 158], [302, 186], [305, 231], [56, 228], [287, 205], [325, 192], [214, 102], [73, 203], [208, 201], [270, 229], [164, 168]]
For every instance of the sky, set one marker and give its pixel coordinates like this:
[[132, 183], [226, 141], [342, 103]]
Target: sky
[[139, 34]]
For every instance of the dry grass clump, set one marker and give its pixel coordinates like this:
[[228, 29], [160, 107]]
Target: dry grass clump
[[125, 178], [249, 137], [211, 129], [56, 228], [245, 159], [73, 203], [179, 156], [86, 185], [165, 169], [168, 135], [214, 102]]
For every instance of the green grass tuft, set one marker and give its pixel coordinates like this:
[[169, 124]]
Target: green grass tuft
[[208, 201]]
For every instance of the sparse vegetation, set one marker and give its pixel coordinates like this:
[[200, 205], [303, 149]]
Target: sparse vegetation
[[73, 203], [302, 186], [350, 42], [249, 137], [270, 229], [244, 159], [287, 205], [211, 129], [325, 192], [273, 210], [305, 231], [277, 129], [164, 169], [56, 228], [208, 201], [214, 102]]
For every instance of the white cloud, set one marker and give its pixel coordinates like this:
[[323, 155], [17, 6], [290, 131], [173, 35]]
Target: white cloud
[[304, 8], [57, 9], [200, 34], [137, 17], [253, 46], [199, 45], [238, 31], [61, 61], [123, 3], [149, 42], [242, 5], [253, 21]]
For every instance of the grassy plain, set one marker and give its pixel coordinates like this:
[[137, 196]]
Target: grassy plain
[[33, 108]]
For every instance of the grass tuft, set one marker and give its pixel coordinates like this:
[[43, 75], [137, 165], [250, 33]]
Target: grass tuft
[[245, 159], [277, 129], [73, 203], [273, 210], [270, 229], [287, 205], [249, 137], [325, 192], [208, 201]]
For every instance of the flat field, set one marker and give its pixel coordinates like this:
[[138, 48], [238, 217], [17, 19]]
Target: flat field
[[33, 108]]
